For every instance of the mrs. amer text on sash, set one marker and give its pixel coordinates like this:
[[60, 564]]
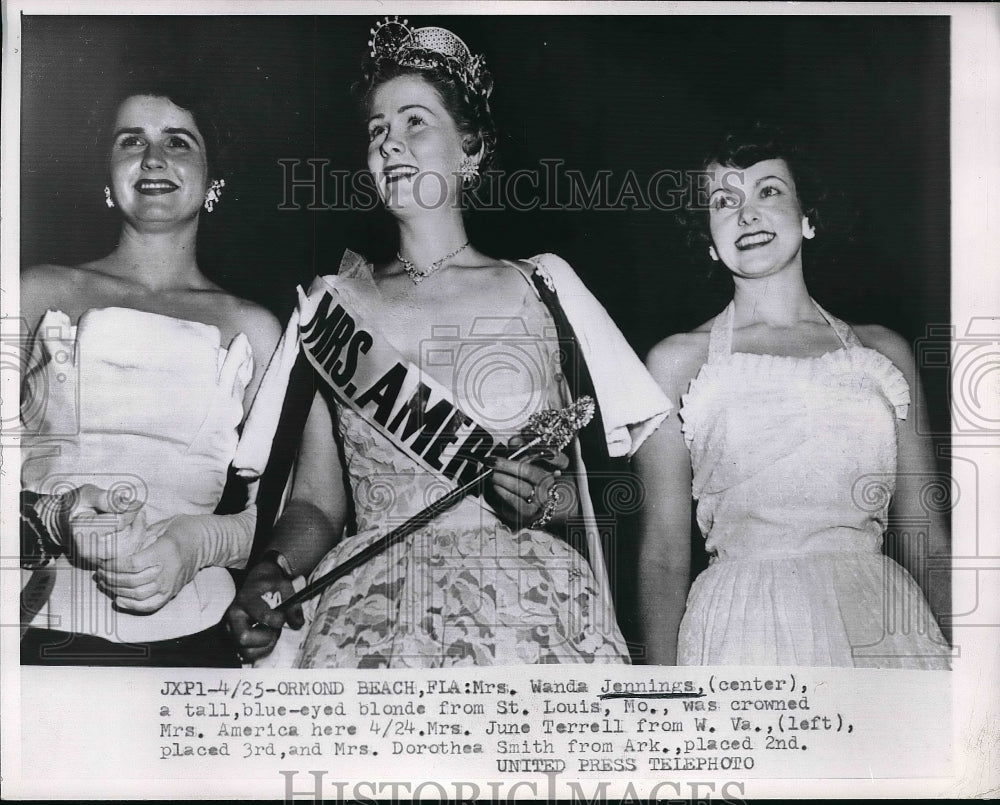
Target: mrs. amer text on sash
[[412, 409]]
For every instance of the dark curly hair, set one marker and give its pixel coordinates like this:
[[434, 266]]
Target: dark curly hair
[[469, 109], [745, 146], [203, 105]]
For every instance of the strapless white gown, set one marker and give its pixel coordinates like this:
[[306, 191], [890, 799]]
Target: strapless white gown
[[148, 406]]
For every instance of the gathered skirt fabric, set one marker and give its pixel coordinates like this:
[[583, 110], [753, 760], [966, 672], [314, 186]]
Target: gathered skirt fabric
[[830, 609]]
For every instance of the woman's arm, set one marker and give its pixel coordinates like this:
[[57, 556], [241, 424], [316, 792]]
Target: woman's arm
[[84, 523], [317, 511], [309, 527], [42, 287], [916, 471], [263, 331], [664, 468]]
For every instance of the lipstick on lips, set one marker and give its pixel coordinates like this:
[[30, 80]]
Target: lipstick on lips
[[397, 172], [155, 187], [754, 239]]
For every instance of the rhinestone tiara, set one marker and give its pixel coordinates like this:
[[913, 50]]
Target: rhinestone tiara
[[428, 47]]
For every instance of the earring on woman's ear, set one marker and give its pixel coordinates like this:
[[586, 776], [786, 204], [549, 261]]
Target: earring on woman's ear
[[808, 230], [713, 254], [468, 169], [214, 194], [107, 197]]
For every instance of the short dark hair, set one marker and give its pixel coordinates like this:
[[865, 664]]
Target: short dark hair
[[188, 95], [470, 110], [741, 147]]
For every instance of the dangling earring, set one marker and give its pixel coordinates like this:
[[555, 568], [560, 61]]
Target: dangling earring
[[107, 197], [214, 194], [713, 254], [808, 230], [468, 169]]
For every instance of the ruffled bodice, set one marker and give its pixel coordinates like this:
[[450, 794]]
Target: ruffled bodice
[[147, 406], [794, 464], [793, 455]]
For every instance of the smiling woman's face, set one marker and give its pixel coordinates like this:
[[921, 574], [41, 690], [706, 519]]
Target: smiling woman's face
[[414, 146], [158, 165], [755, 217]]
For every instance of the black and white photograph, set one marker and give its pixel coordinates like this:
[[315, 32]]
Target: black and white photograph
[[371, 360]]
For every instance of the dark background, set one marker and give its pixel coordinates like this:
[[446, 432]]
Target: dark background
[[617, 93]]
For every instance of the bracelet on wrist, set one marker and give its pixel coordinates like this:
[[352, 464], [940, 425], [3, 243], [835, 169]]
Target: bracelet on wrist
[[39, 518]]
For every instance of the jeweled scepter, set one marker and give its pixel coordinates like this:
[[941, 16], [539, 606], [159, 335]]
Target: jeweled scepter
[[553, 427]]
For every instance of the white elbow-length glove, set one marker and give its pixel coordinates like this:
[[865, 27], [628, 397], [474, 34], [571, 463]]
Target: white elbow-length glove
[[149, 578]]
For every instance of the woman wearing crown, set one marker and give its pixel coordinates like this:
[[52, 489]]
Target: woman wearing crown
[[428, 367]]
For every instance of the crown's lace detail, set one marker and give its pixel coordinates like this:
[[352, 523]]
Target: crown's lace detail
[[430, 47]]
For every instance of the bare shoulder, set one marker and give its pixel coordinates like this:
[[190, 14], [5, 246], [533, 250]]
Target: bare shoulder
[[889, 343], [42, 272], [677, 359], [875, 336], [48, 277], [47, 286], [257, 322]]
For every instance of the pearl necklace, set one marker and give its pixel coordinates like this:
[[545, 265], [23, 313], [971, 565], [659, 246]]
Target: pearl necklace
[[419, 276]]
